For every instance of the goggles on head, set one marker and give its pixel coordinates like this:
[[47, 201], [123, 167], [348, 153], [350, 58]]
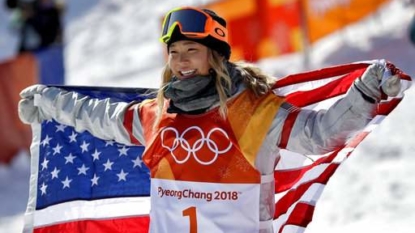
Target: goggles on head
[[193, 23]]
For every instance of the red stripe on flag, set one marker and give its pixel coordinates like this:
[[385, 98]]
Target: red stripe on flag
[[282, 206], [301, 216], [130, 225], [319, 74], [330, 90], [384, 108], [286, 179], [297, 217], [128, 123]]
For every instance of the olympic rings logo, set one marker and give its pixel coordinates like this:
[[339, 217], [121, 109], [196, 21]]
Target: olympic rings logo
[[180, 141]]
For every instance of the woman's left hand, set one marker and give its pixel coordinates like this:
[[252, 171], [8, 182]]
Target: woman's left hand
[[378, 81]]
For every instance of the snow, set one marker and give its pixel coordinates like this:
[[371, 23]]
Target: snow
[[114, 43]]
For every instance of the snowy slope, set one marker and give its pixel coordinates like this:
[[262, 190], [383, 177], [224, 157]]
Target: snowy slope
[[132, 56], [114, 43]]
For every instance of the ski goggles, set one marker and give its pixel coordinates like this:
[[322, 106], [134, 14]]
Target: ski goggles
[[193, 23]]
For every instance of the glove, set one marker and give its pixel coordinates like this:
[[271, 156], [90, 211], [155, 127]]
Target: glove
[[28, 111], [378, 81]]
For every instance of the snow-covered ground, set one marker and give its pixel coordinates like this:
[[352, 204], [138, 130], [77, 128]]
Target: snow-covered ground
[[114, 43]]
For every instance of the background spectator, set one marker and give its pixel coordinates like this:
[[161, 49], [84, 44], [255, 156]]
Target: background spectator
[[38, 22]]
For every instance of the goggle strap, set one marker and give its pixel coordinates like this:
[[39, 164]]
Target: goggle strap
[[218, 31]]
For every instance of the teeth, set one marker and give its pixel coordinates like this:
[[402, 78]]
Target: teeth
[[188, 72]]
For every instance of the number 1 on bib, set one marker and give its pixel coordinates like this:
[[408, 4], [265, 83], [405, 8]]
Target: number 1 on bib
[[191, 212]]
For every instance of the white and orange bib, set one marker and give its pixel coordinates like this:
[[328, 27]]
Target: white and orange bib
[[202, 167]]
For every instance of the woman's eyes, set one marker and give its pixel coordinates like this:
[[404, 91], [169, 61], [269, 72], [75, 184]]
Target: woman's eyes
[[190, 50]]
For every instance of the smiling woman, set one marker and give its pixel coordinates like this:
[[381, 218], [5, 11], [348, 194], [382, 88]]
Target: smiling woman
[[217, 127]]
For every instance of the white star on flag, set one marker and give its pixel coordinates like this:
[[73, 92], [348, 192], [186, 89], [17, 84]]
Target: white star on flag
[[45, 164], [122, 175], [57, 149], [66, 183], [55, 173], [137, 162], [69, 158], [46, 141], [108, 165], [94, 180], [109, 143], [95, 155], [43, 188], [84, 147], [72, 137], [123, 150], [60, 128], [83, 169]]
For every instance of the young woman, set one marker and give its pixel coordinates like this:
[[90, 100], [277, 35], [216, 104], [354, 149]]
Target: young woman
[[214, 126]]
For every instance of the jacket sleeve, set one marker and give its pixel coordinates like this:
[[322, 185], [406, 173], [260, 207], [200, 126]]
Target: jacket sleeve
[[315, 132], [104, 118]]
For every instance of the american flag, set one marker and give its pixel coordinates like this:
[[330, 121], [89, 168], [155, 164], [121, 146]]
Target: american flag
[[301, 179], [84, 184]]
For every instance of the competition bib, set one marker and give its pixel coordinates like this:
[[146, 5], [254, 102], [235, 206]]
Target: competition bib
[[200, 207]]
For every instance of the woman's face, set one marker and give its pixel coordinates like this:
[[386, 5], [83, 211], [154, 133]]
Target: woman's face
[[188, 59]]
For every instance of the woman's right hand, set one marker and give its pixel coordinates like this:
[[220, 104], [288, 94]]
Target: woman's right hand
[[28, 111], [104, 118]]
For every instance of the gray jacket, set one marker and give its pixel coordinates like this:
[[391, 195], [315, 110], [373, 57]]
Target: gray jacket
[[313, 132]]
